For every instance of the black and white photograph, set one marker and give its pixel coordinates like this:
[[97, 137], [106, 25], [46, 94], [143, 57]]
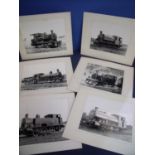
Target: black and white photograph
[[102, 120], [42, 80], [104, 78], [45, 75], [115, 125], [39, 129], [44, 36], [44, 42], [108, 37], [108, 43], [43, 119]]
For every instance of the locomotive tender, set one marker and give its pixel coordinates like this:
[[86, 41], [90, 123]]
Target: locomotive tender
[[41, 126]]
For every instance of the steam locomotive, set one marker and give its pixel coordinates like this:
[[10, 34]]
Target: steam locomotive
[[97, 118], [41, 126], [44, 78], [107, 41], [44, 40], [102, 80]]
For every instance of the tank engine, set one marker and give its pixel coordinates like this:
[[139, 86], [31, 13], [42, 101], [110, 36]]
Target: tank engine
[[44, 40], [107, 41], [41, 126]]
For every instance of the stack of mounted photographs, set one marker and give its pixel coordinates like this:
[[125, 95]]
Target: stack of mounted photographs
[[45, 100], [103, 111]]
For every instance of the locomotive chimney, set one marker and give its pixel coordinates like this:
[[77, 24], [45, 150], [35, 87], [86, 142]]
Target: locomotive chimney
[[37, 116], [26, 115]]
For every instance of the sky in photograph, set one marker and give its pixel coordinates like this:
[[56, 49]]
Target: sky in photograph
[[108, 70], [43, 105], [41, 26], [92, 68], [31, 69], [111, 29]]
